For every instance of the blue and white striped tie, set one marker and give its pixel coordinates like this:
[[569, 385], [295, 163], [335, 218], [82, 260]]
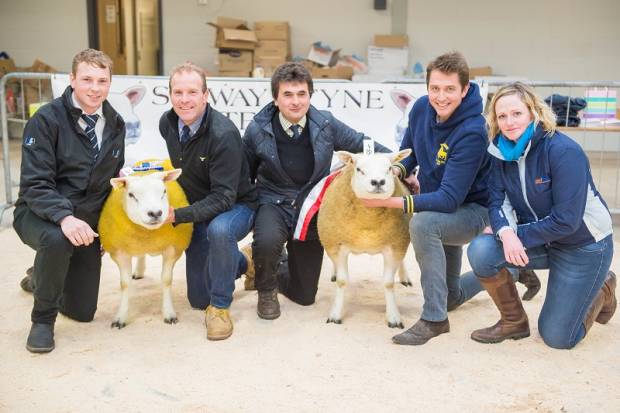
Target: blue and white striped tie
[[91, 121]]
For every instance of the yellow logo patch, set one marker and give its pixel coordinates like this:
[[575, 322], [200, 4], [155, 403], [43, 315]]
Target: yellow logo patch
[[442, 154]]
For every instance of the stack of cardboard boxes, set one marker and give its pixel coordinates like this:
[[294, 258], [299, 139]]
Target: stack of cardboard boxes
[[236, 43], [35, 92], [273, 46]]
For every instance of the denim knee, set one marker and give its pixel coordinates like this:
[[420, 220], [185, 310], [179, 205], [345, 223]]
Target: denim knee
[[481, 256], [421, 226], [555, 335], [219, 231]]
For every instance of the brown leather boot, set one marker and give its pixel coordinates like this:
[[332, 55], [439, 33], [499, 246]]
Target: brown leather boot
[[604, 305], [268, 307], [248, 283], [513, 322], [531, 282]]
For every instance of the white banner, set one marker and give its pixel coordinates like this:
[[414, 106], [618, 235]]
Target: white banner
[[379, 110]]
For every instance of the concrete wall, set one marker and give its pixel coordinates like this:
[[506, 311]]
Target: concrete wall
[[550, 40], [52, 31]]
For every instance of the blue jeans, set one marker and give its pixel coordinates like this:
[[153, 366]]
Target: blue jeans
[[438, 240], [576, 276], [213, 260]]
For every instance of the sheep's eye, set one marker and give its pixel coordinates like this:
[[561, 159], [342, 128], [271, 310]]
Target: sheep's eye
[[360, 171], [132, 196]]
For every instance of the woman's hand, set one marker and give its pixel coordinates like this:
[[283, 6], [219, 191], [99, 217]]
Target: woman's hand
[[412, 183], [514, 252], [392, 202], [487, 230]]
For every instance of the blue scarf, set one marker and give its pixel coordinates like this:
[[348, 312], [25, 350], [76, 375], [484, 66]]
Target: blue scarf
[[513, 150]]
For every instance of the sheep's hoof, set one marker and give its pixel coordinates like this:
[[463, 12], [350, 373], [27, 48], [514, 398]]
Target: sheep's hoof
[[333, 278], [406, 283], [118, 324], [334, 320], [137, 276], [396, 325], [171, 320]]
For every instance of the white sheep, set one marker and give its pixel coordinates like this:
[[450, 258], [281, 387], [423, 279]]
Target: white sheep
[[346, 226], [131, 225]]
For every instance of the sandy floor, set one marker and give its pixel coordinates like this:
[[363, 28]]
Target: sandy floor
[[296, 363]]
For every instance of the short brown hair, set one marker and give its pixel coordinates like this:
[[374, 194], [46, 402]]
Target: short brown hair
[[451, 62], [541, 113], [290, 72], [94, 58], [189, 67]]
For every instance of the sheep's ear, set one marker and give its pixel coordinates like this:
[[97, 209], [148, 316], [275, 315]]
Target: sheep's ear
[[346, 157], [172, 175], [399, 156], [118, 182]]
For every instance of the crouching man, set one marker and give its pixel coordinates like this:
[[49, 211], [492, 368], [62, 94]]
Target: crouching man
[[289, 145], [207, 146], [71, 148]]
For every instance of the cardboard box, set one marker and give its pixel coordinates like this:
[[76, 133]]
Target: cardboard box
[[272, 30], [268, 63], [232, 74], [337, 72], [480, 71], [272, 48], [235, 61], [233, 34], [393, 60], [7, 66], [391, 40], [323, 55]]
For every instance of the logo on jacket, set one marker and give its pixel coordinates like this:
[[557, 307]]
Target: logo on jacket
[[29, 141], [116, 153], [542, 180], [442, 154], [202, 158]]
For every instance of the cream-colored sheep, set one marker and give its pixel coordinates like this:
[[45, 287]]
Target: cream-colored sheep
[[346, 226], [131, 225]]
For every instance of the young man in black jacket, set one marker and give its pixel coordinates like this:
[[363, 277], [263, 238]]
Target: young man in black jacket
[[207, 146], [289, 145], [71, 148]]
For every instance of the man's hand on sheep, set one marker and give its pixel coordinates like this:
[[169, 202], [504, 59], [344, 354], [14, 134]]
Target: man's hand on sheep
[[412, 183], [392, 202], [77, 231], [170, 218]]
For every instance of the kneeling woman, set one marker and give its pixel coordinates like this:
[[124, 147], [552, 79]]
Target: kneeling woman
[[545, 212]]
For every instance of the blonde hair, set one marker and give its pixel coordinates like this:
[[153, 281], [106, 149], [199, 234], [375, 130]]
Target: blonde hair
[[93, 57], [189, 67], [538, 108]]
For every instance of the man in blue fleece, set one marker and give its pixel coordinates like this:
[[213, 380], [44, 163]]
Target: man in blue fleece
[[447, 134]]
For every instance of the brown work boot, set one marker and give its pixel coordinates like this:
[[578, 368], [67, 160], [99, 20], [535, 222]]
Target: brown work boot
[[604, 305], [531, 282], [268, 307], [248, 283], [609, 307], [26, 283], [513, 322], [421, 332], [219, 324]]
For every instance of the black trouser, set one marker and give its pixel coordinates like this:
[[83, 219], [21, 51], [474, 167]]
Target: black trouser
[[65, 278], [272, 228]]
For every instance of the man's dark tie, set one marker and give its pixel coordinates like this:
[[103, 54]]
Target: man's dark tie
[[91, 121], [185, 134], [295, 130]]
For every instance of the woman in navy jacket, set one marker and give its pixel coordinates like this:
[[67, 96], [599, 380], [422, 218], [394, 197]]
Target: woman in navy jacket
[[545, 212]]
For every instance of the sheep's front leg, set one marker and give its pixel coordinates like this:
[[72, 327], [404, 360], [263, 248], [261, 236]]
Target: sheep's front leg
[[403, 275], [123, 261], [140, 268], [391, 309], [342, 277], [169, 258]]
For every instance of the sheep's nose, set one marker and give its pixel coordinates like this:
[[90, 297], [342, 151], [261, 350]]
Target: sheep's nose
[[155, 214], [377, 183]]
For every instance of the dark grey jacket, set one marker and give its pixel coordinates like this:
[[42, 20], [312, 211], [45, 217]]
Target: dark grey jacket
[[215, 173], [58, 174], [327, 134]]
